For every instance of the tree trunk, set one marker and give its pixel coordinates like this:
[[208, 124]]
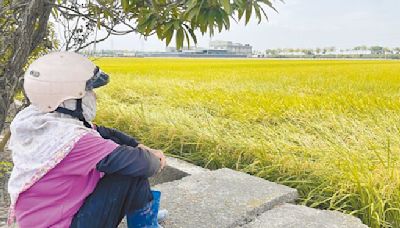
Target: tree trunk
[[30, 32]]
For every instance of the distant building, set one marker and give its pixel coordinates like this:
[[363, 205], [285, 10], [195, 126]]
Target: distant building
[[346, 52], [297, 53], [183, 49], [199, 52], [206, 53], [232, 48], [355, 52]]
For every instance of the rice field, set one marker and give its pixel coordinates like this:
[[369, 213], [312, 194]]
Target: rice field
[[331, 129]]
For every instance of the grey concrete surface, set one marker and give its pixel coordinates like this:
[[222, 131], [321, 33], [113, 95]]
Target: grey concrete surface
[[296, 216], [176, 169], [221, 198]]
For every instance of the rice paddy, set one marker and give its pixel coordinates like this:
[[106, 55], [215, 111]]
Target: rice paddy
[[330, 129]]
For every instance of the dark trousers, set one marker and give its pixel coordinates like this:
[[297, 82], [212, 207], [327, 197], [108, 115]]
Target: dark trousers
[[114, 196]]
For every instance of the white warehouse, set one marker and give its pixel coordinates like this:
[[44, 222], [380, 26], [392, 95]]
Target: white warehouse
[[230, 47]]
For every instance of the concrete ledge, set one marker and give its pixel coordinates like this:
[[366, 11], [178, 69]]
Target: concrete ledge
[[185, 166], [294, 216], [220, 198], [200, 198], [176, 169]]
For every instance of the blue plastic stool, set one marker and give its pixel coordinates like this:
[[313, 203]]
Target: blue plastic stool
[[147, 216]]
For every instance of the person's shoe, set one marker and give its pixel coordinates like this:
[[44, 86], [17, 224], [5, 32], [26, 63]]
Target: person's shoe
[[162, 215]]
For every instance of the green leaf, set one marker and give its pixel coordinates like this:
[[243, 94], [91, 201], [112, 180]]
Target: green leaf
[[168, 36], [144, 24], [192, 13], [125, 4], [179, 38], [220, 20], [257, 11], [201, 18], [227, 5], [268, 3], [177, 24], [248, 13], [226, 21], [191, 3], [211, 28], [239, 3], [201, 21], [240, 13], [203, 28], [168, 25], [159, 32], [211, 17], [151, 25]]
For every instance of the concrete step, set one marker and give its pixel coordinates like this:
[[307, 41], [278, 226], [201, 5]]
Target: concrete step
[[295, 216], [196, 197], [176, 169], [221, 198]]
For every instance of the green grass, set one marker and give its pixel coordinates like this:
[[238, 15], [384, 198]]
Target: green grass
[[331, 129]]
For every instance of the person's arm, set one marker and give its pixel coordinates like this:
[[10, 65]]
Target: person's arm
[[130, 161], [117, 136]]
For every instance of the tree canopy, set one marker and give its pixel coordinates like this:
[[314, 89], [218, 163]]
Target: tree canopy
[[181, 18], [164, 18], [26, 31]]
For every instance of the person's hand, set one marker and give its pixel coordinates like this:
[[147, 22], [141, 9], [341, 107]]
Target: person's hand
[[161, 156], [158, 153]]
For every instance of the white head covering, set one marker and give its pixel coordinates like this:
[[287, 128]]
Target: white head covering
[[88, 106], [39, 141]]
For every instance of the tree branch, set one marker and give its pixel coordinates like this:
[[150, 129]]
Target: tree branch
[[89, 17], [41, 31], [92, 42], [72, 35], [5, 139]]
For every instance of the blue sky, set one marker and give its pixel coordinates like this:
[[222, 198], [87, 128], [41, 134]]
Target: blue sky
[[302, 24]]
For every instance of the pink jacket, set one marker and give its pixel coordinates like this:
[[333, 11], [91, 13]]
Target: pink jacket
[[55, 198]]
